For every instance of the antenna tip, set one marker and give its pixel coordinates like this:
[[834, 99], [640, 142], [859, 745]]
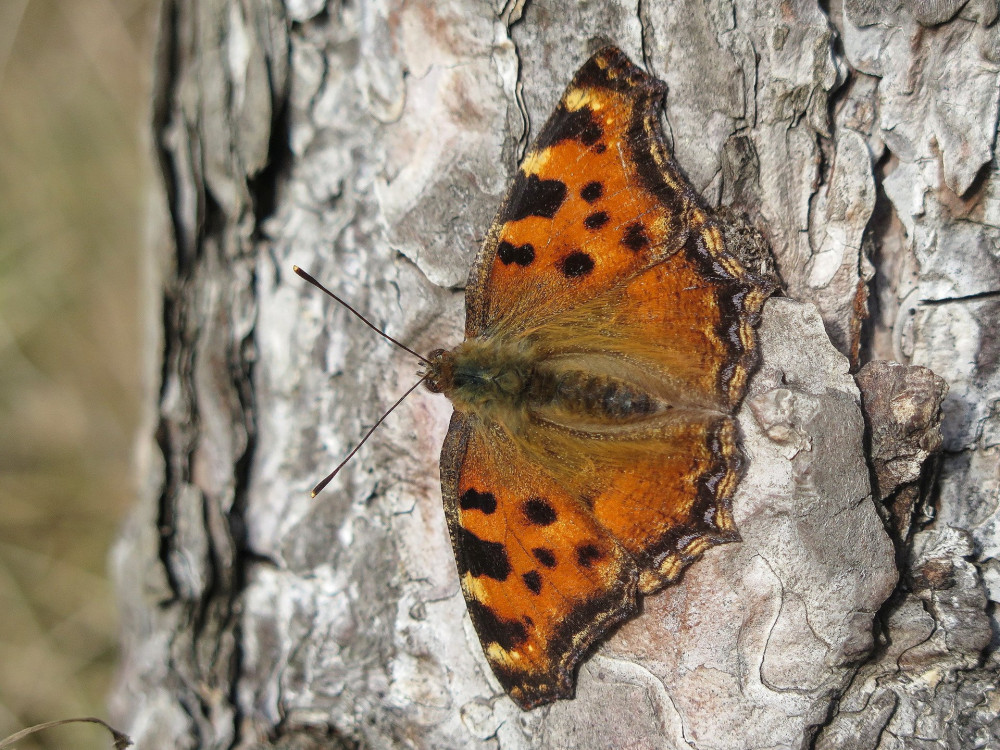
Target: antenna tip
[[313, 493], [295, 268]]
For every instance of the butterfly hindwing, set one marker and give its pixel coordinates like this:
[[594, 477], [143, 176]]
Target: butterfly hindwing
[[672, 498]]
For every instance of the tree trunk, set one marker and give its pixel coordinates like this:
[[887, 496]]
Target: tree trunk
[[371, 144]]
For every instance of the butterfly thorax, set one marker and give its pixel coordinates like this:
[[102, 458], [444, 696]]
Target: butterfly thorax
[[508, 382]]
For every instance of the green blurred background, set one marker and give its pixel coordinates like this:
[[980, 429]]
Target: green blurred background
[[75, 176]]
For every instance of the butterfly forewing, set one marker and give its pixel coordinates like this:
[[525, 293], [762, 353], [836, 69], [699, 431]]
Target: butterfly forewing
[[595, 200], [542, 578]]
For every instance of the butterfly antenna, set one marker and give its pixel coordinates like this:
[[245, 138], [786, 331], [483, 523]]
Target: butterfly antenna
[[319, 487], [361, 317]]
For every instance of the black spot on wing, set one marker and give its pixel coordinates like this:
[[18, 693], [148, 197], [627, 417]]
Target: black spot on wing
[[576, 264], [544, 556], [482, 558], [533, 581], [588, 554], [596, 220], [507, 634], [578, 125], [481, 501], [530, 196], [539, 512], [635, 237], [592, 191], [523, 255]]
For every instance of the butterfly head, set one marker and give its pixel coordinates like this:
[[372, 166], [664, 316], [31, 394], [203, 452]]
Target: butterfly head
[[439, 376], [479, 375]]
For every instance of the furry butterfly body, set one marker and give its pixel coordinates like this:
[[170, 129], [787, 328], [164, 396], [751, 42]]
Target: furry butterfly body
[[593, 452]]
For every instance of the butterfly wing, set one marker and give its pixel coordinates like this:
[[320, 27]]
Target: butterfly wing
[[595, 199], [595, 205], [670, 499], [541, 577]]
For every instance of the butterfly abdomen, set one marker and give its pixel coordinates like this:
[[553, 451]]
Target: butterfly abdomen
[[600, 396], [503, 382]]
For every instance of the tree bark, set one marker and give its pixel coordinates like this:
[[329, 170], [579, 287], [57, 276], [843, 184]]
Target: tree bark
[[371, 144]]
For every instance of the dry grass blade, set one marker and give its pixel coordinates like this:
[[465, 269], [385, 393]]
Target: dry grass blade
[[121, 740]]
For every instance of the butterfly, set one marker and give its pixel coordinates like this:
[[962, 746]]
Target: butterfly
[[593, 451]]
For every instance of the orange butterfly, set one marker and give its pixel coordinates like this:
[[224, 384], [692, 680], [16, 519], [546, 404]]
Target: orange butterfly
[[593, 451]]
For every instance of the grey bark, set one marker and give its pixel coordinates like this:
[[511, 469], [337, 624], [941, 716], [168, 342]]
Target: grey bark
[[371, 143]]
